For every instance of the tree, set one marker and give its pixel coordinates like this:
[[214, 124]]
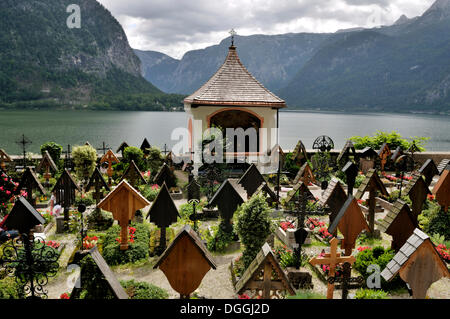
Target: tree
[[252, 226], [154, 160], [54, 150], [135, 154], [84, 158]]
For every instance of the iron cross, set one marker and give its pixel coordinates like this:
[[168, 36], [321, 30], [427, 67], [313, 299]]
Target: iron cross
[[24, 141]]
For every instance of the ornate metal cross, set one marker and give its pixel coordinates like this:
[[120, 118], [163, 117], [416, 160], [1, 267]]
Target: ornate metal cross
[[232, 33], [24, 142], [104, 148], [68, 160]]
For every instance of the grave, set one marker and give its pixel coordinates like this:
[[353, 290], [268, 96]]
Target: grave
[[227, 199], [133, 175], [334, 197], [163, 213], [429, 170], [347, 153], [30, 183], [145, 146], [384, 153], [442, 189], [65, 189], [185, 262], [367, 159], [123, 202], [4, 158], [47, 166], [98, 182], [107, 276], [418, 264], [251, 180], [351, 222], [332, 259], [265, 277], [417, 190], [269, 194], [397, 153], [442, 165], [300, 156], [398, 223], [373, 185], [305, 175], [109, 159], [351, 171], [193, 190], [122, 148]]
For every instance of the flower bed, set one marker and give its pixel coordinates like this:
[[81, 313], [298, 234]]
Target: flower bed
[[90, 242], [444, 252], [319, 229]]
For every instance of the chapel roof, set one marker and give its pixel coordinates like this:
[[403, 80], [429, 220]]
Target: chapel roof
[[232, 85]]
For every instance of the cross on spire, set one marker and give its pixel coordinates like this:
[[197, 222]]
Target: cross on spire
[[233, 33]]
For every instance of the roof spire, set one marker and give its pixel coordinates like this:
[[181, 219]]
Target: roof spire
[[233, 33]]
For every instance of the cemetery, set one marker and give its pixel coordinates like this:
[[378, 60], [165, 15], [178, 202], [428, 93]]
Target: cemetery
[[134, 225], [369, 221]]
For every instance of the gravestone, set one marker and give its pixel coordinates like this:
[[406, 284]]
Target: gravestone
[[65, 189], [367, 159], [193, 190], [133, 175], [265, 276], [305, 175], [429, 170], [334, 197], [418, 264], [373, 185], [347, 153], [109, 159], [30, 183], [351, 222], [23, 217], [298, 188], [351, 171], [397, 153], [4, 158], [47, 166], [398, 223], [164, 175], [98, 182], [251, 180], [106, 275], [332, 259], [185, 262], [123, 202], [417, 190], [442, 189], [122, 148], [227, 199], [384, 153], [300, 156], [163, 213], [145, 146]]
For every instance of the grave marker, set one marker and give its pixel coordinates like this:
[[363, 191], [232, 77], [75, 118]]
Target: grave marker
[[332, 259], [442, 189], [123, 202], [109, 159], [133, 175], [164, 175], [4, 158], [265, 276], [227, 199], [429, 170], [30, 182], [185, 262], [271, 197], [122, 148], [367, 159], [193, 190], [442, 165], [98, 182], [347, 152], [335, 197], [65, 189], [351, 222], [397, 153], [47, 166], [305, 175], [373, 185], [145, 146], [418, 263], [251, 180], [298, 188], [163, 213], [351, 171], [417, 190], [399, 223], [384, 153]]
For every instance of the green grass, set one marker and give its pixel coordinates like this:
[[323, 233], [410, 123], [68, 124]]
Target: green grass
[[303, 294]]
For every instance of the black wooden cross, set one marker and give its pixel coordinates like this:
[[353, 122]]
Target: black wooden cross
[[104, 148], [24, 142], [347, 282], [68, 160]]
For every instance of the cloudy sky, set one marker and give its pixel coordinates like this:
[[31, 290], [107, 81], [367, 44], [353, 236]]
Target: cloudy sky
[[177, 26]]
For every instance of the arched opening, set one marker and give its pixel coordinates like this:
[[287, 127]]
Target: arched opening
[[234, 119]]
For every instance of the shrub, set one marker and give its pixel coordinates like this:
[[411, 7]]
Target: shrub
[[135, 154], [149, 191], [84, 158], [9, 289], [154, 160], [377, 256], [84, 199], [434, 220], [54, 150], [100, 220], [7, 189], [138, 249], [393, 139], [221, 239], [370, 294], [253, 226], [143, 290]]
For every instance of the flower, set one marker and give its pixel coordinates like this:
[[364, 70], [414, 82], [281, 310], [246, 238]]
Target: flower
[[244, 296], [360, 249], [64, 296], [286, 225]]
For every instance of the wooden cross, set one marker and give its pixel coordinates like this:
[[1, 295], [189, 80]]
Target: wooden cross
[[110, 159], [65, 189], [24, 141], [49, 166], [30, 182], [332, 259], [98, 183], [134, 175], [123, 202], [417, 190], [384, 153]]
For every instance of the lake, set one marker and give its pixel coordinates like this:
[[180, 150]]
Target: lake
[[77, 127]]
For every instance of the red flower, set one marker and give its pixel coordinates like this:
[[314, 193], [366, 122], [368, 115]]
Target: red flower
[[64, 296]]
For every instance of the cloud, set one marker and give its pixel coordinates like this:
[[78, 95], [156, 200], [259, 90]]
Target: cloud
[[176, 26]]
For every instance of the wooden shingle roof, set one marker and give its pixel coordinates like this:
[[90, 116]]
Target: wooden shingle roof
[[233, 84], [442, 165], [371, 175]]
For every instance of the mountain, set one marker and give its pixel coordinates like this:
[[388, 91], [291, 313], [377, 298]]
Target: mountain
[[45, 63], [274, 60], [384, 69], [402, 67]]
